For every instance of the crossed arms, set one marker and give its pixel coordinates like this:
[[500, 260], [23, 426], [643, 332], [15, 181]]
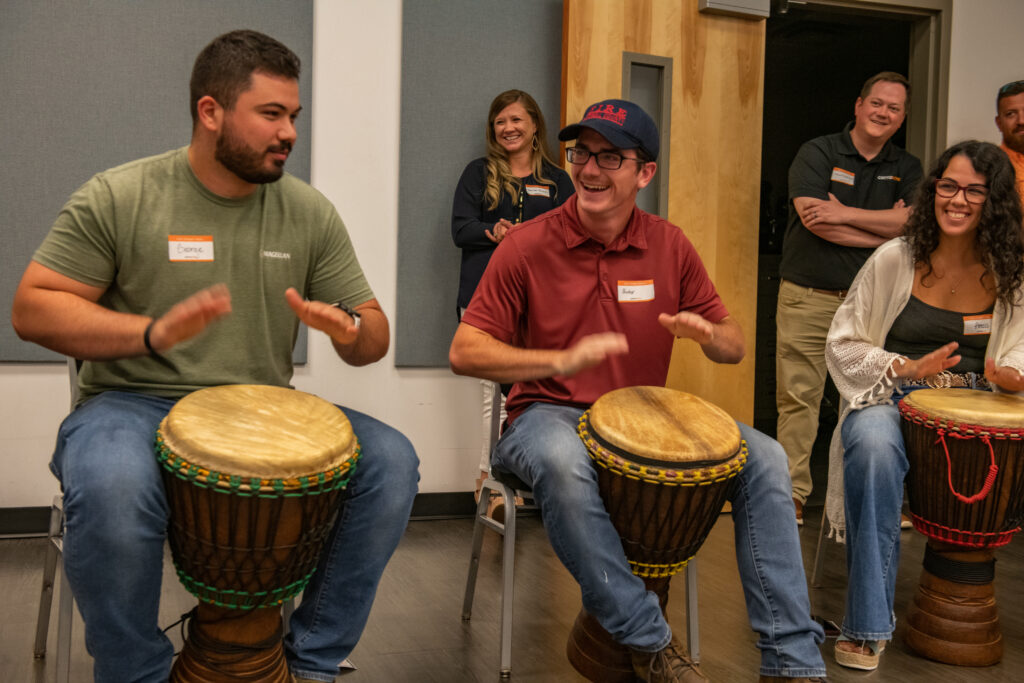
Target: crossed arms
[[849, 226]]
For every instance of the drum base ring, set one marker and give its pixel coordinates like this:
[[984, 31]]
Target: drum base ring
[[221, 648], [596, 655], [955, 623]]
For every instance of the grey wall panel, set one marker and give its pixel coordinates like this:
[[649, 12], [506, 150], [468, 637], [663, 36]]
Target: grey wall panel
[[456, 56], [89, 85]]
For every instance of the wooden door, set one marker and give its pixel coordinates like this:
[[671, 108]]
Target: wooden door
[[715, 148]]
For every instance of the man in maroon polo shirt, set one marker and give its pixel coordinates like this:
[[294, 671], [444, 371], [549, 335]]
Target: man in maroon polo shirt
[[588, 298]]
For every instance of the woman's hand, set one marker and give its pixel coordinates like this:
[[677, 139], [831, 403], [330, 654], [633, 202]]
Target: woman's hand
[[933, 363], [497, 233], [1005, 377]]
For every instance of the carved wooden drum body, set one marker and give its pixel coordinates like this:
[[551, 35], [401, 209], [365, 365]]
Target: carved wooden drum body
[[965, 488], [666, 463], [254, 477]]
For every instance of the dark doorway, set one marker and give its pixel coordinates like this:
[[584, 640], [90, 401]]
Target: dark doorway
[[816, 60]]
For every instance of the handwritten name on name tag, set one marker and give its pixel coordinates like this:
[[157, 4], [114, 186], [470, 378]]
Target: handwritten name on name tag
[[190, 247], [636, 290], [978, 324], [841, 176]]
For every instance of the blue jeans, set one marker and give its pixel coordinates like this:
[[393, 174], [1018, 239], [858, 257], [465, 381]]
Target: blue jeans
[[874, 466], [116, 523], [543, 449]]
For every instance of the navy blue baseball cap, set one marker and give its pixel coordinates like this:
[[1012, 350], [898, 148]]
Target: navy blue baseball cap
[[622, 123]]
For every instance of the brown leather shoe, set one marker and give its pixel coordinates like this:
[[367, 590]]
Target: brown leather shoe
[[799, 512], [668, 665]]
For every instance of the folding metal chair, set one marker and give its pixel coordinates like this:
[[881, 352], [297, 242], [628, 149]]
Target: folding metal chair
[[508, 487]]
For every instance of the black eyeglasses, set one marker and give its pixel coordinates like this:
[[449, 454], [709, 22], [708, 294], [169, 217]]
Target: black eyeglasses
[[1011, 86], [975, 194], [607, 160]]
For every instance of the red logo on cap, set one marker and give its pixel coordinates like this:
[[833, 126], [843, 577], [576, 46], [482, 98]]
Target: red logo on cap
[[608, 112]]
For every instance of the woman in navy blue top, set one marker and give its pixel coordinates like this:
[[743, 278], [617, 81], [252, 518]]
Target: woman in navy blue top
[[516, 181]]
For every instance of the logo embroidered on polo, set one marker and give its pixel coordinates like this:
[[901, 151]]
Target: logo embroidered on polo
[[277, 254], [608, 112], [888, 177]]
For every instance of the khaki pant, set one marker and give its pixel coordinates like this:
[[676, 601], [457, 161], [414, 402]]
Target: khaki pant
[[802, 320]]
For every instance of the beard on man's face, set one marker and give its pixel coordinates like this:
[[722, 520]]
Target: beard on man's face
[[247, 163], [1015, 140]]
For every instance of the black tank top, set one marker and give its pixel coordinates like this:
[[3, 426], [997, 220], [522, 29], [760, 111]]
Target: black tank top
[[920, 328]]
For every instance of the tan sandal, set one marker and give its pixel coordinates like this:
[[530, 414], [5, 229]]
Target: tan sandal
[[863, 654]]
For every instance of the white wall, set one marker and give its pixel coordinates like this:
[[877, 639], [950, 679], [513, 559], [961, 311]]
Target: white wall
[[355, 118], [983, 56]]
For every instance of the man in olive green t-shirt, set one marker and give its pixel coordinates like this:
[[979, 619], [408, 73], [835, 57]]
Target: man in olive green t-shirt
[[193, 269]]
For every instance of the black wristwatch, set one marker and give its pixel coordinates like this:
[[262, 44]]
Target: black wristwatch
[[353, 313]]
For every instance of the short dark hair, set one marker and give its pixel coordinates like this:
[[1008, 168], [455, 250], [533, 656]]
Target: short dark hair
[[224, 68], [888, 77], [1009, 90]]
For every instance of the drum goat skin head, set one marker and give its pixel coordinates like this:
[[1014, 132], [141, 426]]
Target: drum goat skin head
[[258, 431], [664, 425]]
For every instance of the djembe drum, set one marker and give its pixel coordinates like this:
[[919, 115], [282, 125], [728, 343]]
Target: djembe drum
[[254, 476], [666, 463], [965, 488]]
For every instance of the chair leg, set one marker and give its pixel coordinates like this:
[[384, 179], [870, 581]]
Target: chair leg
[[819, 553], [53, 538], [508, 562], [286, 615], [65, 613], [474, 558], [692, 617]]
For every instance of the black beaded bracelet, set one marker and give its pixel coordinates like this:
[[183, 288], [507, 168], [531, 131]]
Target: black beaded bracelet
[[146, 341]]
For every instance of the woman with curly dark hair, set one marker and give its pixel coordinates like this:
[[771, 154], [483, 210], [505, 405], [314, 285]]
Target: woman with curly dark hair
[[941, 306]]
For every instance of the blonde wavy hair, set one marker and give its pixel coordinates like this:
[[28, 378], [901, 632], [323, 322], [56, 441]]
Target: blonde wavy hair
[[499, 173]]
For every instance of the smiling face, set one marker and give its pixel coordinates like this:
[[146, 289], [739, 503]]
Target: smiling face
[[514, 129], [258, 132], [879, 115], [603, 195], [955, 215], [1011, 121]]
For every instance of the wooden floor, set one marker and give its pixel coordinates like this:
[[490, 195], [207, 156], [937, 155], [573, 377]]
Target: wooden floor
[[415, 632]]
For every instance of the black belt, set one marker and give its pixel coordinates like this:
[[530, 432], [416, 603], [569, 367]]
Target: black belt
[[838, 293]]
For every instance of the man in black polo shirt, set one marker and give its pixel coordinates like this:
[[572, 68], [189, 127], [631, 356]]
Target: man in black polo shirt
[[849, 193]]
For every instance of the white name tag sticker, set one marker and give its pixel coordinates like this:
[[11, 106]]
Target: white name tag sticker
[[841, 176], [538, 191], [978, 324], [636, 290], [190, 247]]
